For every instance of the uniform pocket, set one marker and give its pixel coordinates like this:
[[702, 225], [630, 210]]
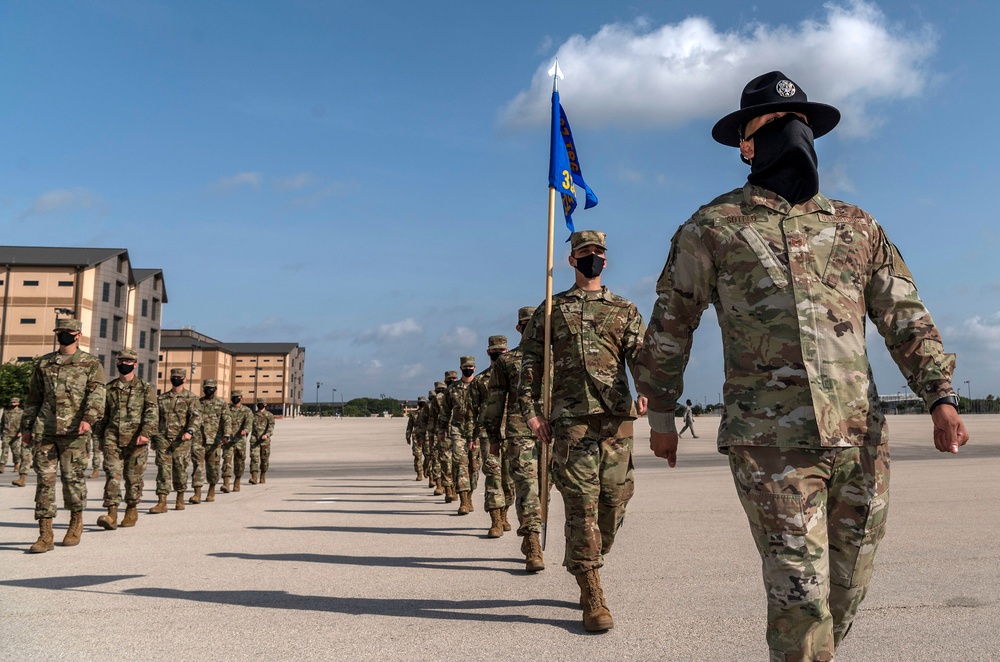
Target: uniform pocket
[[875, 521], [775, 513], [766, 256], [842, 269]]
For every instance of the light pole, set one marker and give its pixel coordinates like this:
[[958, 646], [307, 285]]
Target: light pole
[[318, 412], [333, 400], [968, 389], [256, 371]]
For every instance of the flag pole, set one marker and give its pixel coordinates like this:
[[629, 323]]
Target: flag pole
[[543, 455]]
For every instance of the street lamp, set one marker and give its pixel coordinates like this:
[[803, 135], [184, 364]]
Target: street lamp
[[333, 400], [968, 389], [318, 412], [256, 371]]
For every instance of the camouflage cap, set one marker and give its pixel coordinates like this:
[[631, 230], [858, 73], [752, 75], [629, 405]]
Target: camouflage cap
[[68, 324], [236, 394], [582, 238], [430, 394], [467, 361], [211, 383], [439, 385], [453, 374], [524, 314], [128, 354], [178, 372], [497, 342], [421, 399], [261, 401], [15, 401]]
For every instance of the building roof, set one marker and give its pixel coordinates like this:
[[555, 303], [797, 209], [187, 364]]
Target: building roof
[[260, 347], [144, 274], [56, 256]]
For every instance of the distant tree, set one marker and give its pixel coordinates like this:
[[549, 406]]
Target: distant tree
[[14, 378]]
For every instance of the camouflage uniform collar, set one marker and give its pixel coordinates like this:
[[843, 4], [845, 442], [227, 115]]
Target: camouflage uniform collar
[[754, 196], [577, 293]]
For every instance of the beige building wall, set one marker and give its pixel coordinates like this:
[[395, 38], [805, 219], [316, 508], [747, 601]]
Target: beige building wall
[[275, 377], [29, 316]]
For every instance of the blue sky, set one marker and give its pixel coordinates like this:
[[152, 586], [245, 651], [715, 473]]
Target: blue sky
[[369, 179]]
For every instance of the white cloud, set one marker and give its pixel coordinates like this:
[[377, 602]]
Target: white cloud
[[411, 371], [62, 200], [391, 331], [460, 337], [239, 180], [320, 195], [980, 334], [630, 74], [295, 182]]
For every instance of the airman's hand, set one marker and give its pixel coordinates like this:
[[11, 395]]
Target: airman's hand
[[185, 437], [26, 438], [541, 428], [949, 430], [141, 441], [664, 444], [495, 448], [642, 404], [84, 428]]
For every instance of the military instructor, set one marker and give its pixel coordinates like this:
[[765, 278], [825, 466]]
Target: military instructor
[[792, 275]]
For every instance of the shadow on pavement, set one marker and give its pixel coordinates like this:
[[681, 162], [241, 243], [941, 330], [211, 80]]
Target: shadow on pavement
[[65, 583], [457, 610], [427, 563], [362, 512], [395, 531]]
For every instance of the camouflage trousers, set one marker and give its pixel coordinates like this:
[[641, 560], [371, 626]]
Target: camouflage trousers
[[523, 454], [94, 453], [213, 462], [432, 468], [498, 482], [172, 462], [592, 467], [817, 517], [128, 462], [25, 457], [234, 457], [11, 445], [70, 455], [260, 455], [197, 461], [445, 461], [475, 463], [418, 456], [460, 464]]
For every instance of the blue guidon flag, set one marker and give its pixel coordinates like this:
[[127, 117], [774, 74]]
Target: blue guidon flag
[[564, 164]]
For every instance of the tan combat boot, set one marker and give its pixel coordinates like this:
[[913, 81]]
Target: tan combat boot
[[420, 476], [596, 617], [109, 522], [236, 484], [503, 518], [179, 504], [465, 502], [438, 488], [161, 505], [74, 531], [531, 547], [211, 493], [95, 473], [225, 485], [430, 480], [17, 467], [3, 467], [262, 477], [253, 477], [450, 494], [131, 515], [196, 497], [496, 528], [20, 481], [44, 542]]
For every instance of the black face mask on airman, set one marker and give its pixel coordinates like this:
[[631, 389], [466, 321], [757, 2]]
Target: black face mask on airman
[[591, 265], [784, 159], [66, 337], [177, 381], [468, 372], [235, 399], [209, 391], [125, 368]]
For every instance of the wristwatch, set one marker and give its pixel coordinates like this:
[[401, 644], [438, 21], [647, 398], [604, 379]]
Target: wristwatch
[[946, 400]]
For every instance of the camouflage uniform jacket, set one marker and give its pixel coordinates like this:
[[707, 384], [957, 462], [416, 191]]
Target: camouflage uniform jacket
[[263, 424], [214, 418], [411, 419], [12, 423], [594, 336], [180, 412], [791, 287], [421, 421], [437, 423], [64, 391], [130, 412], [456, 410], [504, 378], [239, 418], [480, 394]]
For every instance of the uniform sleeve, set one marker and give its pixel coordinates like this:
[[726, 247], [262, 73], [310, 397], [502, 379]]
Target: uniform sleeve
[[409, 427], [36, 390], [270, 425], [447, 410], [529, 392], [635, 330], [225, 421], [102, 423], [95, 402], [496, 398], [903, 321], [684, 290], [150, 413]]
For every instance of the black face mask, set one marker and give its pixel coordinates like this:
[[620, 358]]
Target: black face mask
[[468, 372], [260, 407], [784, 159], [66, 337], [420, 405], [125, 368], [235, 400], [493, 356], [590, 266], [209, 391], [177, 381]]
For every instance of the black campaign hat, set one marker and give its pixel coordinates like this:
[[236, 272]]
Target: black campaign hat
[[771, 93]]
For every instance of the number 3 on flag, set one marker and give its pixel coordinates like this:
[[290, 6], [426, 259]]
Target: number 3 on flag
[[567, 182]]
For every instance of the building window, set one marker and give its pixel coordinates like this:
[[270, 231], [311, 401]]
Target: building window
[[121, 264], [103, 332], [145, 306], [115, 328], [31, 283], [159, 375], [161, 357], [141, 366], [24, 359], [118, 294], [152, 339], [106, 292], [142, 340], [62, 283], [267, 360], [239, 360], [100, 357], [156, 309], [27, 320]]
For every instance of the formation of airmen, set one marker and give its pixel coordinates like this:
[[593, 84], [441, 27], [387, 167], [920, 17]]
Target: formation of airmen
[[493, 420], [70, 414]]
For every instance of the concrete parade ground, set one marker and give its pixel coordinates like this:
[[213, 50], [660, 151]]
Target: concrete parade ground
[[342, 555]]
